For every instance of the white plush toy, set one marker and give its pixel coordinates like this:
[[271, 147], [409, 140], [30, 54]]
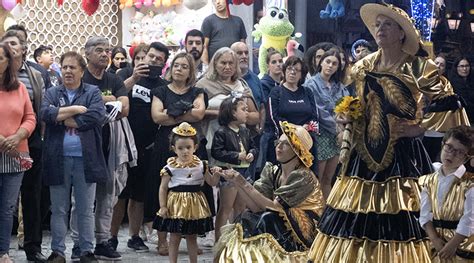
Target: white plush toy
[[194, 4]]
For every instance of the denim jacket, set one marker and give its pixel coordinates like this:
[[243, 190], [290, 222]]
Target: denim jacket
[[326, 99], [89, 128]]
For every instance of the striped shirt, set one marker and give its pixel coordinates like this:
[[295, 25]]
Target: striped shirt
[[9, 164]]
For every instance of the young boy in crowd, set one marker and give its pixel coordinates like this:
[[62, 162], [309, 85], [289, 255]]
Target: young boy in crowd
[[447, 199]]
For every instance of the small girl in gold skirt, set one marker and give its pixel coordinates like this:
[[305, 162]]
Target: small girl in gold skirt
[[184, 209]]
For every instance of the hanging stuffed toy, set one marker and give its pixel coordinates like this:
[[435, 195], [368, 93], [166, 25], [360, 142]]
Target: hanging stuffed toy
[[90, 6], [166, 3], [275, 30], [121, 3], [60, 2], [126, 3], [194, 4], [148, 2], [334, 9], [138, 3], [8, 4], [293, 48]]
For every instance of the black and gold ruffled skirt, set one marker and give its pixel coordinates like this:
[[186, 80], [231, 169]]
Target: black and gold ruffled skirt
[[373, 216], [258, 237], [188, 213]]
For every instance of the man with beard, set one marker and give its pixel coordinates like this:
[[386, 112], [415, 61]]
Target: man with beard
[[113, 90], [194, 44]]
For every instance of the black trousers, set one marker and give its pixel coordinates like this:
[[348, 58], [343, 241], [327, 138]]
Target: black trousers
[[31, 202]]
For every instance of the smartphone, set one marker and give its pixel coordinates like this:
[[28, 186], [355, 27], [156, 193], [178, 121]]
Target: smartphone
[[123, 64], [155, 71]]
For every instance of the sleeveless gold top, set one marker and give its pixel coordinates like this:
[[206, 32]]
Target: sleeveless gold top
[[447, 216]]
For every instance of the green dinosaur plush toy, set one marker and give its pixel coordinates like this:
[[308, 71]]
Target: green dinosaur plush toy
[[275, 30]]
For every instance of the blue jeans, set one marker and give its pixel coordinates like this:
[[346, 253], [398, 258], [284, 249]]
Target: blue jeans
[[84, 195], [9, 189]]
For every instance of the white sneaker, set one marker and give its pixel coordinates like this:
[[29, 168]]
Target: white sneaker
[[208, 240], [152, 237], [142, 233], [5, 259]]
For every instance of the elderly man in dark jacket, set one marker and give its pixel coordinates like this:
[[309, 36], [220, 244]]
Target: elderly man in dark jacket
[[72, 154]]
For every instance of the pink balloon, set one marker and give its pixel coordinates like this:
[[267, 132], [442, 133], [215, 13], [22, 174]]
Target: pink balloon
[[9, 4]]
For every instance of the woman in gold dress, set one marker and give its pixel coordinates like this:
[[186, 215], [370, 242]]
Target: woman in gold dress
[[286, 204], [372, 211]]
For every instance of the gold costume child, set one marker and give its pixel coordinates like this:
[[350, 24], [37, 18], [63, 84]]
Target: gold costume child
[[184, 209], [447, 199]]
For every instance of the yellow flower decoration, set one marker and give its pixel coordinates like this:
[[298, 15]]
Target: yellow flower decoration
[[349, 106], [185, 129]]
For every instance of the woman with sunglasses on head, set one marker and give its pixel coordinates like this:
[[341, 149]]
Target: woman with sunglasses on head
[[327, 88], [291, 102], [462, 80]]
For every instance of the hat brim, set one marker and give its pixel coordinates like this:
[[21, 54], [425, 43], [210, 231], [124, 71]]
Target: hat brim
[[370, 12], [302, 152]]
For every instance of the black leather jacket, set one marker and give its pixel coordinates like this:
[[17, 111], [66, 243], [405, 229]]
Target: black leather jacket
[[226, 147]]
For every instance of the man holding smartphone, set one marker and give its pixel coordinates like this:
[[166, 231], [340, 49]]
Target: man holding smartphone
[[146, 77]]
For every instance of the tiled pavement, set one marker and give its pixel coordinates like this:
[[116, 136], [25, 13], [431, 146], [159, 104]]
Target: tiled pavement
[[127, 255]]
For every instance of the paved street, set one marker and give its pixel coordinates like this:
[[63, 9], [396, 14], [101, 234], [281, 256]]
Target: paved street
[[127, 255]]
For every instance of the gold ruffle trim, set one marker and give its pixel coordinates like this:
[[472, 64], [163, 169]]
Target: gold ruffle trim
[[329, 249], [355, 195], [233, 247], [188, 206], [173, 162]]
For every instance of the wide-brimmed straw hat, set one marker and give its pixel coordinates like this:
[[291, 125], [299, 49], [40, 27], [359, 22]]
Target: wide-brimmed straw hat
[[369, 12], [300, 141]]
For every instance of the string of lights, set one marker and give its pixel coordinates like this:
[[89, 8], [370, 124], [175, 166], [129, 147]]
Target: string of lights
[[422, 12]]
